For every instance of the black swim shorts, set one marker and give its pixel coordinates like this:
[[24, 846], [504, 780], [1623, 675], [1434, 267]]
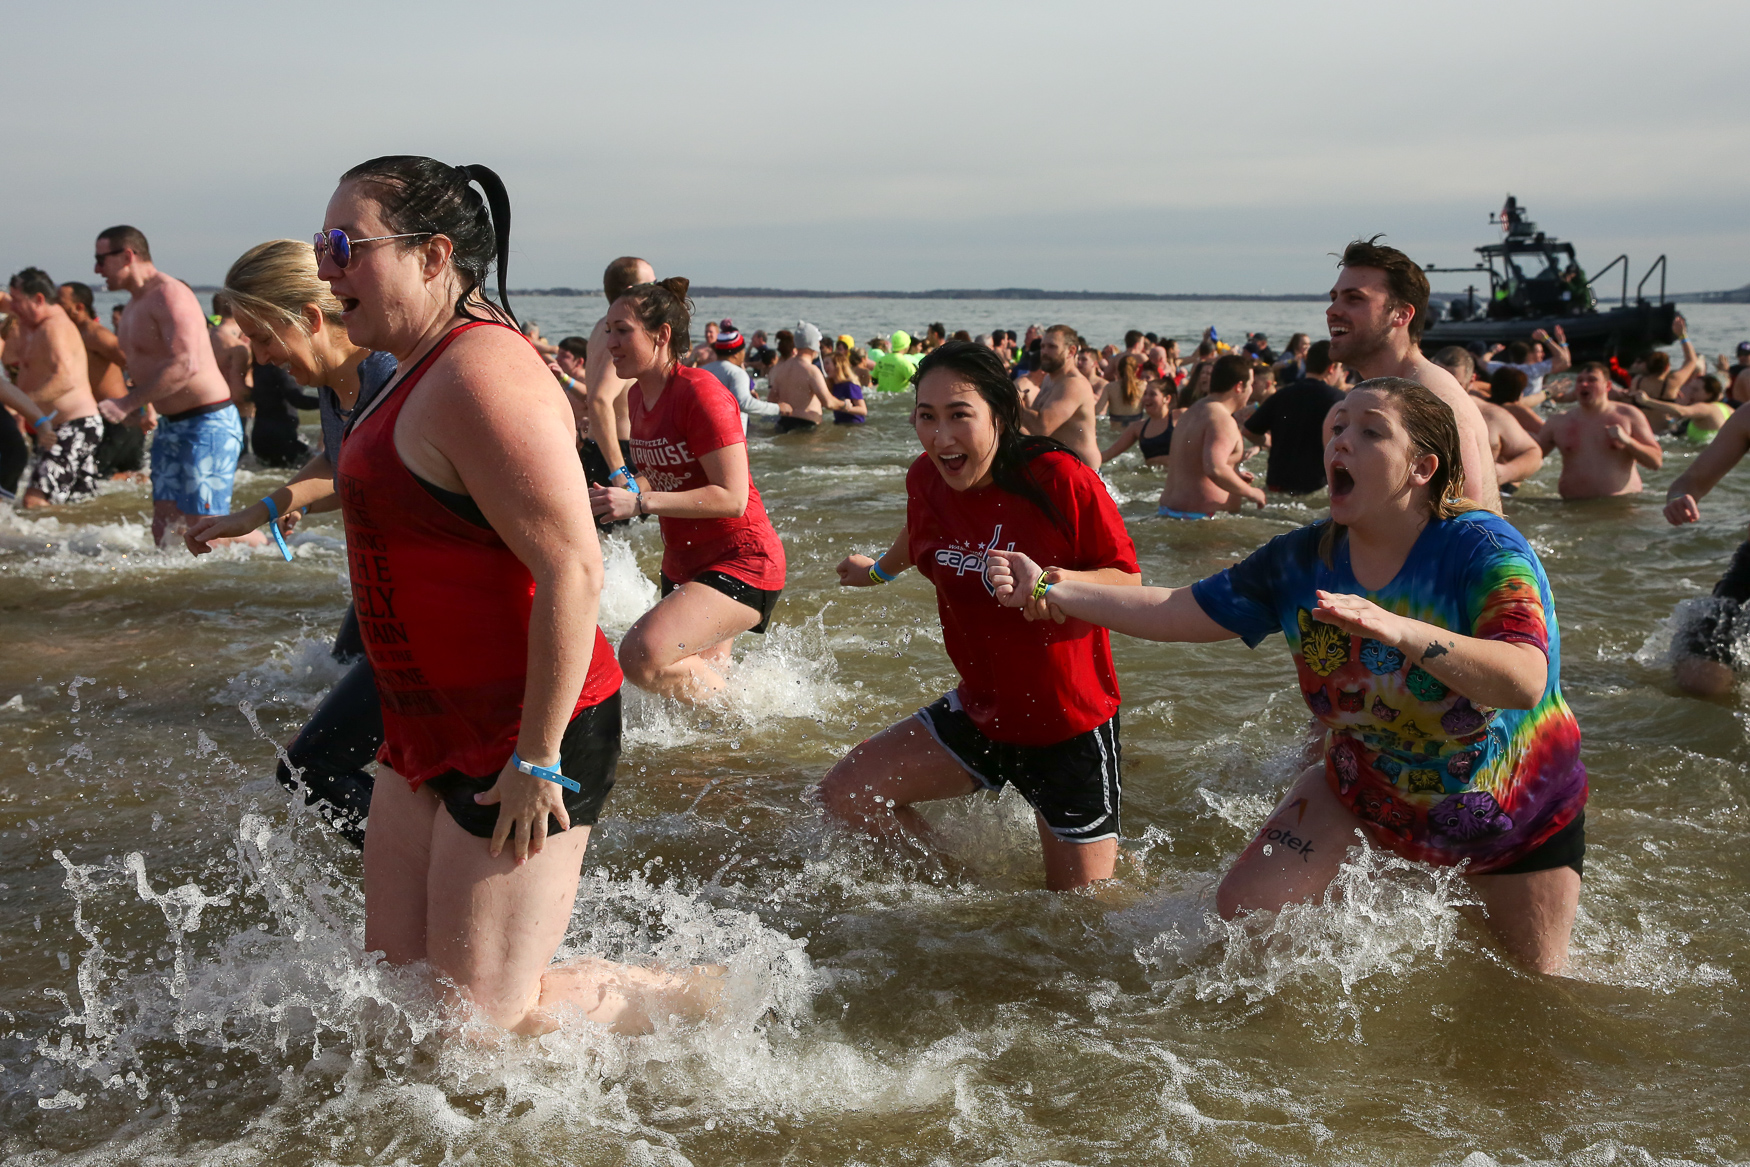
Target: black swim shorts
[[789, 424], [1722, 622], [1074, 784], [1565, 848], [758, 599], [68, 472], [588, 754]]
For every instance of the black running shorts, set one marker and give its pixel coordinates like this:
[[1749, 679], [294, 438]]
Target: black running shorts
[[1074, 784], [587, 755], [758, 599]]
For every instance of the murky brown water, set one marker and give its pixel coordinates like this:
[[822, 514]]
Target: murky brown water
[[181, 976]]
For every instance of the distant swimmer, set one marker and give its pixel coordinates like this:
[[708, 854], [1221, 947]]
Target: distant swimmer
[[1037, 702], [1063, 408], [1424, 638], [1379, 307], [729, 366], [1203, 472], [1293, 420], [1528, 359], [53, 393], [123, 448], [1507, 391], [290, 318], [1516, 453], [1121, 397], [1654, 375], [1709, 652], [894, 369], [170, 361], [846, 392], [722, 563], [1603, 443], [798, 386], [1697, 414], [607, 455], [1152, 434]]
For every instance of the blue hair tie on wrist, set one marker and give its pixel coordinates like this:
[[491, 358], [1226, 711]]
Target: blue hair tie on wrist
[[273, 524]]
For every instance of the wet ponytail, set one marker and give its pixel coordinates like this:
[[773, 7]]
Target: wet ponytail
[[1009, 469], [423, 196]]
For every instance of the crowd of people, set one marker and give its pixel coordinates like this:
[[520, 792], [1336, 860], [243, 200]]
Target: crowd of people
[[476, 464]]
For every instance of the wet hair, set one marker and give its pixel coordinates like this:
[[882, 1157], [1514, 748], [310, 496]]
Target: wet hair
[[623, 273], [422, 196], [125, 238], [786, 343], [1432, 429], [1015, 450], [660, 303], [34, 281], [1459, 362], [1318, 358], [1230, 371], [1130, 382], [1658, 364], [1508, 386], [82, 295], [1712, 388], [1518, 353], [272, 283], [577, 346], [1404, 280]]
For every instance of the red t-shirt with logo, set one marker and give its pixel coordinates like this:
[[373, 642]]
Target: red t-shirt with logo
[[695, 415], [1030, 684]]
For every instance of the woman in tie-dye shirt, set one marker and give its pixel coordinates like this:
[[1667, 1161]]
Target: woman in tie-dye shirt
[[1425, 640]]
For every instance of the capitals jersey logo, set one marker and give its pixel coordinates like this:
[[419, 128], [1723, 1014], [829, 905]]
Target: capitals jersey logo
[[973, 562]]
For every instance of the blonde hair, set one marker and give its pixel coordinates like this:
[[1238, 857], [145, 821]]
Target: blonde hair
[[1130, 382], [273, 282], [1432, 429]]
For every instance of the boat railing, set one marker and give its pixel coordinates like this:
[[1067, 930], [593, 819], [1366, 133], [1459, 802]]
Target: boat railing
[[1595, 276], [1659, 266]]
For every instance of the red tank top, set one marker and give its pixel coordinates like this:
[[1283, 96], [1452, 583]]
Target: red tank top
[[443, 606]]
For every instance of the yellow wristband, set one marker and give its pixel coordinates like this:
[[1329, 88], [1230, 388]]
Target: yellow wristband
[[1041, 587]]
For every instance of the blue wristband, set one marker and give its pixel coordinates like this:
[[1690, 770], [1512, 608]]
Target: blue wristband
[[875, 570], [46, 418], [273, 524], [551, 774], [631, 481]]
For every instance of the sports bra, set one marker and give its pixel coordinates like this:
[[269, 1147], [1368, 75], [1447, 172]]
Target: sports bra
[[1158, 446]]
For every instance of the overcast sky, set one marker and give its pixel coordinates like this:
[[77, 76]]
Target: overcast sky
[[1088, 145]]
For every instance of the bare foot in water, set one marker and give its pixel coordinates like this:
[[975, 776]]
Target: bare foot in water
[[630, 999]]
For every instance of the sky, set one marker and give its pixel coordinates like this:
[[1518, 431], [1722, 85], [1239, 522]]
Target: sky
[[1096, 145]]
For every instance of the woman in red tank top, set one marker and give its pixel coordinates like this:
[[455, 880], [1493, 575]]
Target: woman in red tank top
[[476, 577], [722, 563]]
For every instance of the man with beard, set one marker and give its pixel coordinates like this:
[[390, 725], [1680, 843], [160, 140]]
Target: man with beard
[[1378, 307], [1063, 406]]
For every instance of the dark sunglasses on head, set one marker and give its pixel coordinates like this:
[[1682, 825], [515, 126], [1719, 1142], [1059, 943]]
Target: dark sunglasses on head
[[335, 245]]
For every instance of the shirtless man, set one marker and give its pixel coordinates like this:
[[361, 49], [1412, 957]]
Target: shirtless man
[[797, 384], [164, 341], [1203, 474], [703, 353], [1603, 442], [231, 351], [1516, 453], [1088, 365], [123, 449], [1378, 307], [608, 449], [1063, 407], [53, 375]]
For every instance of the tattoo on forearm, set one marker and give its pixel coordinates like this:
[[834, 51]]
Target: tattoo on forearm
[[1434, 649]]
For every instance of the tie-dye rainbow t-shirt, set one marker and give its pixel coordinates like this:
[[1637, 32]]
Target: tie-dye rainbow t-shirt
[[1435, 777]]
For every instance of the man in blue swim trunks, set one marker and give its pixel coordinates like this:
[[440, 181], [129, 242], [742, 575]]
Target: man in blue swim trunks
[[163, 334]]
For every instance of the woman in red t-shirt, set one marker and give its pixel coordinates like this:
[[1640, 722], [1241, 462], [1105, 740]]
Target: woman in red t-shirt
[[1037, 703], [722, 564]]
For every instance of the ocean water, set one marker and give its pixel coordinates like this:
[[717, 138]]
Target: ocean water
[[182, 978]]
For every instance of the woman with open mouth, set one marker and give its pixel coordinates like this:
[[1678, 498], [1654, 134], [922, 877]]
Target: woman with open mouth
[[1424, 637], [1037, 703]]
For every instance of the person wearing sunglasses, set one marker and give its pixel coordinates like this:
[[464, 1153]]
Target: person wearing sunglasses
[[476, 577], [170, 360]]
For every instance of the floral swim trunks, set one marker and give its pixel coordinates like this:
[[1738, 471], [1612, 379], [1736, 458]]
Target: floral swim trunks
[[68, 473], [194, 460]]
